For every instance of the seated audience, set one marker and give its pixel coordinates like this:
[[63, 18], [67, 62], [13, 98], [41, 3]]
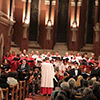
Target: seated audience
[[91, 97], [72, 84], [5, 67], [55, 92], [96, 89], [3, 80], [11, 80], [86, 92]]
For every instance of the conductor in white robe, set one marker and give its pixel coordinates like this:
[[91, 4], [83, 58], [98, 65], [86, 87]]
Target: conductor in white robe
[[47, 75]]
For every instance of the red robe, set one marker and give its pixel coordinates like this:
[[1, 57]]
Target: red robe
[[14, 65]]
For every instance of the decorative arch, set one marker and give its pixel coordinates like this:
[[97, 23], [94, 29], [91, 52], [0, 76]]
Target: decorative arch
[[1, 46]]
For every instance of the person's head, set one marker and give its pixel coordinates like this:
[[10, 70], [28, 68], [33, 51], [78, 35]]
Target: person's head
[[69, 68], [52, 53], [24, 61], [6, 61], [96, 85], [52, 61], [7, 54], [91, 97], [45, 52], [92, 54], [57, 53], [85, 70], [47, 58], [31, 70], [24, 51], [64, 85], [15, 74], [85, 83], [61, 97], [78, 54], [32, 52], [20, 55], [72, 83], [93, 79], [36, 70], [4, 76], [60, 60], [78, 82], [71, 52], [59, 83], [30, 55], [87, 91], [13, 53], [90, 83], [66, 54], [85, 55], [95, 64], [37, 52], [11, 74], [48, 53], [76, 65]]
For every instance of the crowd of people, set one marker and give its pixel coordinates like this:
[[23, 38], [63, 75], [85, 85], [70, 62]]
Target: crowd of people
[[72, 77]]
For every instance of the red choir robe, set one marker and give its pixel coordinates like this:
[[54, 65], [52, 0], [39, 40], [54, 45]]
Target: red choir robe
[[31, 64], [14, 65], [47, 73]]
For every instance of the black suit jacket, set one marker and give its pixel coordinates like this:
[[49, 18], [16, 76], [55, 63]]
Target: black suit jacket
[[95, 72], [72, 72], [3, 84], [21, 75]]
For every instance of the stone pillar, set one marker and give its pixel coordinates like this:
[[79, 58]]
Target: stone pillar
[[24, 43], [96, 43], [9, 37], [77, 27], [74, 33], [47, 23], [48, 37]]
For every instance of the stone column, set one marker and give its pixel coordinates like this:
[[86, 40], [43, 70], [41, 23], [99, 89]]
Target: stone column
[[97, 32], [77, 24], [24, 43], [47, 23], [74, 33], [96, 43]]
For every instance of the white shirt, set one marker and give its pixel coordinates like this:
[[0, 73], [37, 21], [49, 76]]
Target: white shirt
[[76, 72]]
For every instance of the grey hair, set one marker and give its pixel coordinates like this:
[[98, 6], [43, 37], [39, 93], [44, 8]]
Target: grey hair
[[87, 91], [64, 85], [96, 85], [72, 82]]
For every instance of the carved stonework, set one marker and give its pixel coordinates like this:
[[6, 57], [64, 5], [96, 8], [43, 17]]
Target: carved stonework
[[25, 1], [78, 4], [9, 29], [96, 2], [97, 32], [47, 2], [25, 29], [74, 32], [73, 3], [48, 34]]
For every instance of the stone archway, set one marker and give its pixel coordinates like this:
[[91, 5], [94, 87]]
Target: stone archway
[[1, 47]]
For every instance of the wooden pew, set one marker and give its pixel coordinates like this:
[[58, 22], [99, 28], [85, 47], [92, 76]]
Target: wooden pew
[[5, 93], [22, 90]]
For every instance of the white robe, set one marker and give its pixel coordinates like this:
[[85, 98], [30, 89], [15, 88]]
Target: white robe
[[47, 75]]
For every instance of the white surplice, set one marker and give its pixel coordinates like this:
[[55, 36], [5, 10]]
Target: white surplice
[[47, 75]]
